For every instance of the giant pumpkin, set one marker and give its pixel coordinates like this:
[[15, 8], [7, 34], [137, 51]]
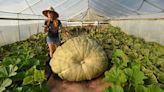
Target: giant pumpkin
[[79, 58]]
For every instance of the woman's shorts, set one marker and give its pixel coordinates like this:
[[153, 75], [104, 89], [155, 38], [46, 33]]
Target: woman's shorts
[[54, 40]]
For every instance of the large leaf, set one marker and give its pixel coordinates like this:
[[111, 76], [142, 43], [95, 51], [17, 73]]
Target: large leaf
[[12, 70], [30, 71], [28, 80], [36, 88], [154, 89], [28, 89], [114, 88], [39, 76], [18, 77], [3, 72], [161, 77], [11, 60], [7, 82], [17, 89], [140, 88], [115, 75], [8, 71], [151, 78], [23, 55], [135, 76], [34, 76], [119, 58]]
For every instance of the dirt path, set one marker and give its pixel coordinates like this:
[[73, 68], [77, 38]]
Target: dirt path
[[58, 85]]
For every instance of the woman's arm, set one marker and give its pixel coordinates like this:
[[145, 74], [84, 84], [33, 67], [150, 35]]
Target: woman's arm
[[46, 24], [45, 29]]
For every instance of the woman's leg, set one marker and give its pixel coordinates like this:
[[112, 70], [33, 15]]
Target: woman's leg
[[51, 48]]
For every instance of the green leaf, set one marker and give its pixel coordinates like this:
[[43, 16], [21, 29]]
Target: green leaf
[[31, 55], [3, 72], [154, 89], [118, 53], [11, 60], [106, 90], [8, 71], [28, 80], [119, 58], [36, 88], [140, 88], [161, 77], [135, 76], [17, 89], [160, 85], [28, 89], [44, 87], [2, 89], [12, 70], [30, 71], [128, 72], [115, 75], [151, 78], [7, 82], [39, 76], [19, 76], [34, 76], [114, 88]]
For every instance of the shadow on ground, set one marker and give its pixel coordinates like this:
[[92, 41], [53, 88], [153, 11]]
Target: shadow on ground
[[58, 85]]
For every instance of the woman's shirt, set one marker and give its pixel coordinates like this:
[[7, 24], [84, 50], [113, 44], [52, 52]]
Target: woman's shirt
[[52, 31]]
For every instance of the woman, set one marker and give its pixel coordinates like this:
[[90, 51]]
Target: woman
[[52, 26]]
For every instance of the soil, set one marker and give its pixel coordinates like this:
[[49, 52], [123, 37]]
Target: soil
[[58, 85]]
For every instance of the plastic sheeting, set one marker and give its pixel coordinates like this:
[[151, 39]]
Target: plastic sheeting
[[68, 9], [150, 30], [14, 28], [11, 32]]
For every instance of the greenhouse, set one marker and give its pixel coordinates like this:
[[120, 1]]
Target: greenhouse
[[81, 45]]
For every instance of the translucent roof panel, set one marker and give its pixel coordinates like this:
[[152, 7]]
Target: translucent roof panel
[[83, 9]]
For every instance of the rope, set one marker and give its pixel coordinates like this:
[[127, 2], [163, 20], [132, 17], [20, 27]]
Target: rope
[[30, 6], [141, 5], [154, 5], [59, 4]]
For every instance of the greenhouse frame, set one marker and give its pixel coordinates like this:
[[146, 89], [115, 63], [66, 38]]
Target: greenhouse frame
[[124, 38]]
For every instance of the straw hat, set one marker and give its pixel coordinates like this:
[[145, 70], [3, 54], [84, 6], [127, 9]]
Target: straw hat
[[51, 9]]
